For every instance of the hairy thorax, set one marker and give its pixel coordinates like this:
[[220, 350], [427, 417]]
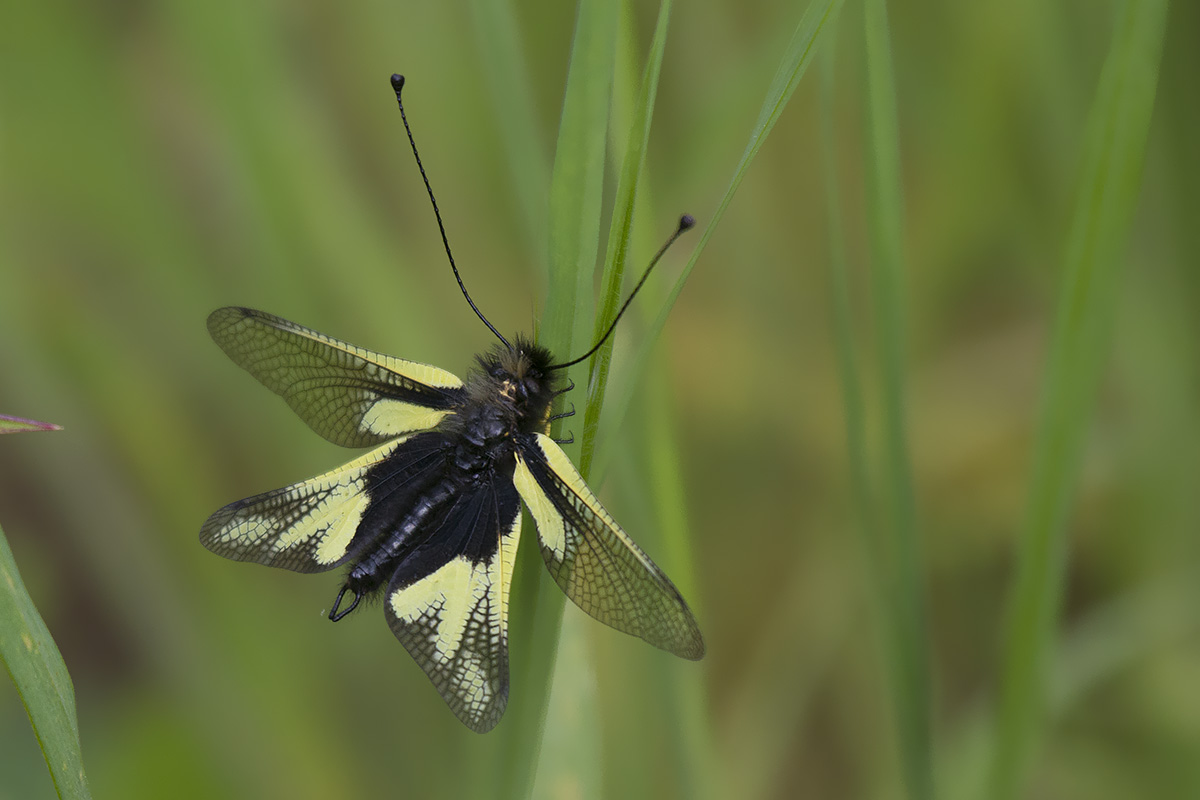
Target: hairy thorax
[[509, 395]]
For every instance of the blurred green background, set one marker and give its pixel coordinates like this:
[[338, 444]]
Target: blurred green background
[[161, 159]]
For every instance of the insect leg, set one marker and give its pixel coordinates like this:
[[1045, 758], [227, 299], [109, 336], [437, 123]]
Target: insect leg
[[563, 415]]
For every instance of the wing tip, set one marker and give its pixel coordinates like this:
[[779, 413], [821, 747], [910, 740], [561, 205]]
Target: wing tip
[[687, 644], [210, 531], [485, 722], [693, 650], [223, 315], [222, 322]]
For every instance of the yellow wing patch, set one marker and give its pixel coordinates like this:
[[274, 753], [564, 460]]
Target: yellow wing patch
[[550, 524], [332, 521], [454, 623], [305, 527], [386, 417], [451, 595], [593, 561]]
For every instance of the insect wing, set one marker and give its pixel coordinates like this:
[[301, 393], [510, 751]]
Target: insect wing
[[351, 396], [448, 601], [305, 527], [593, 561]]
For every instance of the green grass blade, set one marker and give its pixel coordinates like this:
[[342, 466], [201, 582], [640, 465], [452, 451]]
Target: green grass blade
[[36, 667], [575, 203], [620, 231], [499, 45], [867, 517], [682, 682], [585, 718], [576, 187], [1114, 149], [845, 347], [817, 19], [899, 548]]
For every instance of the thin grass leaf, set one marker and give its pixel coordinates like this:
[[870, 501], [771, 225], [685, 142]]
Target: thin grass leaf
[[845, 348], [883, 581], [18, 425], [689, 737], [573, 739], [697, 770], [498, 41], [571, 750], [576, 187], [36, 667], [817, 19], [899, 552], [620, 231], [575, 201], [1114, 149]]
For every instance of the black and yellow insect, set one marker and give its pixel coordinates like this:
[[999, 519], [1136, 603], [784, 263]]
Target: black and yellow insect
[[431, 515]]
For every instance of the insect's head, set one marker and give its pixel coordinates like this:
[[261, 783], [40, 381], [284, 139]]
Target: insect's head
[[521, 376]]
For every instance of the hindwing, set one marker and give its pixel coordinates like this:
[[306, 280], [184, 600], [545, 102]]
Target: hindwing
[[592, 560], [447, 602], [320, 523], [352, 396]]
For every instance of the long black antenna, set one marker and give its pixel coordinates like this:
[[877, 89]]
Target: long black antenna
[[685, 224], [397, 85]]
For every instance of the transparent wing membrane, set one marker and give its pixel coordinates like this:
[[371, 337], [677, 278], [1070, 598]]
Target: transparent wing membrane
[[352, 396], [593, 561]]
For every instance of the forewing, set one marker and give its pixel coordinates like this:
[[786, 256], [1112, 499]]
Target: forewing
[[349, 395], [310, 526], [448, 601], [593, 560]]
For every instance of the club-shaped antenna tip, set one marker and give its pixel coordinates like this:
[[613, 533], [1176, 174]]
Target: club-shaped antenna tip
[[686, 222], [397, 83]]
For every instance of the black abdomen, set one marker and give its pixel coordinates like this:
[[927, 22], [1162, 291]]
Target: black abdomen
[[415, 489]]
